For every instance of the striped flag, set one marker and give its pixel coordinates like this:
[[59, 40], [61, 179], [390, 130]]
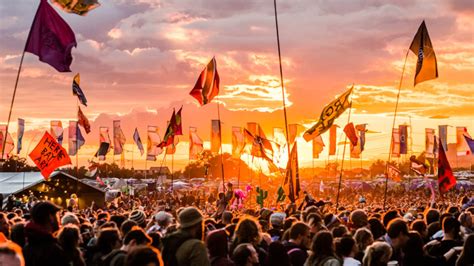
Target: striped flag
[[77, 91], [395, 142], [394, 173], [83, 121], [462, 147], [57, 131], [21, 131], [207, 85], [138, 141]]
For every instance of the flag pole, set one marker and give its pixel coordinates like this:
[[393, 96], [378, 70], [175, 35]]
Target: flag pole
[[342, 163], [391, 134], [77, 142], [220, 148], [11, 104], [282, 85]]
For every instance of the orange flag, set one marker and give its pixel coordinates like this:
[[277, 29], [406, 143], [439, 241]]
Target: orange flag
[[332, 139], [49, 155]]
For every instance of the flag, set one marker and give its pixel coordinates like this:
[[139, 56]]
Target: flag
[[330, 112], [7, 141], [280, 155], [51, 38], [83, 121], [351, 133], [154, 140], [426, 66], [470, 143], [170, 132], [321, 184], [252, 128], [403, 130], [49, 155], [357, 149], [292, 177], [332, 139], [79, 7], [104, 134], [177, 125], [462, 148], [318, 146], [119, 138], [394, 173], [195, 144], [57, 131], [215, 136], [443, 135], [446, 179], [138, 141], [76, 140], [261, 146], [429, 143], [102, 151], [418, 166], [171, 149], [21, 130], [395, 142], [93, 169], [292, 132], [77, 91], [238, 142], [207, 85]]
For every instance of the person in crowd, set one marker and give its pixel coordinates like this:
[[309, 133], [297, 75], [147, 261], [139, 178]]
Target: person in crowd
[[185, 246], [143, 256], [363, 238], [4, 225], [42, 248], [377, 254], [161, 221], [108, 240], [322, 251], [136, 237], [248, 231], [245, 255], [298, 244], [10, 254], [396, 237], [277, 255], [467, 254], [415, 255], [216, 243], [450, 240], [69, 238], [346, 248], [358, 219]]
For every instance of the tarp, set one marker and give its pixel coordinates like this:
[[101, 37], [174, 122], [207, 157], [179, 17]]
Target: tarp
[[11, 182]]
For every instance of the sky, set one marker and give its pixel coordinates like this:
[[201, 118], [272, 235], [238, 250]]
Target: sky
[[138, 59]]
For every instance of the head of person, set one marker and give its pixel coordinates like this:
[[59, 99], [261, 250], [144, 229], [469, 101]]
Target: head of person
[[69, 237], [331, 221], [358, 219], [419, 225], [70, 218], [323, 245], [11, 254], [451, 227], [139, 217], [277, 254], [413, 249], [277, 220], [245, 254], [346, 247], [363, 238], [247, 231], [300, 235], [143, 256], [376, 227], [389, 216], [378, 253], [46, 215], [108, 240], [431, 216], [4, 224], [163, 219], [17, 234], [135, 237], [465, 219], [191, 220], [126, 226], [467, 254], [216, 243], [227, 217], [398, 232]]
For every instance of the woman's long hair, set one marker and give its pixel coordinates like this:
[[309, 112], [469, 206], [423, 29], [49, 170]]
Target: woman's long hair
[[322, 247], [247, 231]]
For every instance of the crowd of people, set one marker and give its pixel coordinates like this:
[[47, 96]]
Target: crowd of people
[[205, 230]]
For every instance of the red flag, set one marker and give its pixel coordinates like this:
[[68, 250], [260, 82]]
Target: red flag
[[83, 121], [351, 133], [177, 124], [446, 179], [207, 85], [332, 139], [51, 38], [168, 139], [49, 155]]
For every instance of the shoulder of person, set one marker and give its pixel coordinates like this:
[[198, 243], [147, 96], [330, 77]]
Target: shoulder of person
[[332, 262]]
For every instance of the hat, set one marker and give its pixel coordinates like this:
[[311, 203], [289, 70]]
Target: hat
[[41, 211], [163, 216], [70, 218], [189, 216], [277, 218], [137, 216]]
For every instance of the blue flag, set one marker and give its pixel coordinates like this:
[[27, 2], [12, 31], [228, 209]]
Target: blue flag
[[138, 141], [76, 89], [470, 143]]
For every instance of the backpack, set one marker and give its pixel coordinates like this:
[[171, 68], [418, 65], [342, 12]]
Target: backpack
[[171, 244]]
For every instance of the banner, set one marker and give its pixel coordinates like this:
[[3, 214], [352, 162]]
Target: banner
[[443, 136], [153, 143], [238, 142], [426, 66], [77, 91], [429, 143], [207, 85], [403, 129], [357, 149], [138, 141], [119, 138], [330, 112], [49, 155], [196, 145], [79, 7], [76, 140], [57, 131], [350, 131], [215, 136], [318, 146], [9, 144], [462, 149], [261, 147], [332, 140], [446, 179], [21, 131], [418, 166], [395, 142]]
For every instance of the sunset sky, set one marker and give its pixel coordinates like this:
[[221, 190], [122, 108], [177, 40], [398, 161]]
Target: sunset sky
[[138, 59]]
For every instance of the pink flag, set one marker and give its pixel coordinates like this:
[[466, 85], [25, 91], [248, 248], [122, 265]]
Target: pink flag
[[51, 38]]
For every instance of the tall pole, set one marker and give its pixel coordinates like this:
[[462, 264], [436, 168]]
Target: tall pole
[[342, 163], [11, 105], [391, 134], [220, 148]]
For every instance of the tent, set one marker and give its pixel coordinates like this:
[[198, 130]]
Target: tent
[[58, 188]]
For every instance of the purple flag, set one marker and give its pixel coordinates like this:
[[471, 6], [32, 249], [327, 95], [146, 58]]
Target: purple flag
[[470, 143], [51, 38]]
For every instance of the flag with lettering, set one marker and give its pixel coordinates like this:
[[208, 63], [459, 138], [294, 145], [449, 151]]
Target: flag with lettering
[[79, 7], [77, 91], [318, 146], [215, 136], [196, 145], [429, 143], [462, 149], [119, 138], [395, 142], [446, 179], [57, 131], [7, 140], [83, 121], [76, 140], [138, 141], [51, 38], [403, 129], [238, 142], [426, 66], [394, 173], [21, 131], [332, 139], [207, 85], [443, 136], [48, 155], [330, 112]]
